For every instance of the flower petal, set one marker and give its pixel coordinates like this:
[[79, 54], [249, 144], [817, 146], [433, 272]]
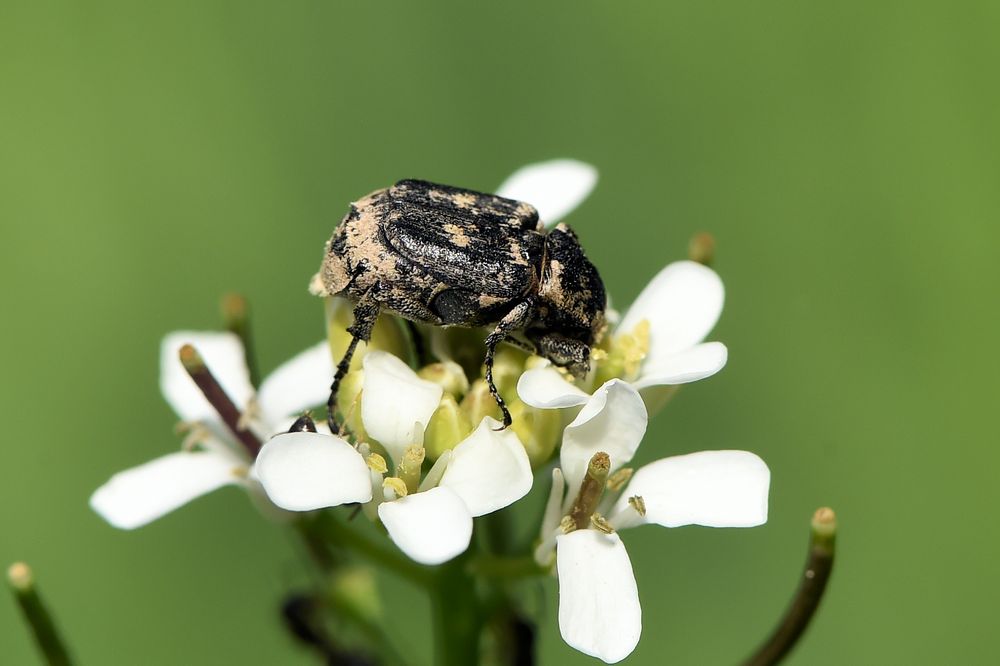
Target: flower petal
[[554, 188], [142, 494], [711, 488], [682, 303], [394, 400], [297, 384], [613, 421], [546, 388], [223, 354], [686, 366], [489, 469], [430, 527], [302, 471], [599, 612]]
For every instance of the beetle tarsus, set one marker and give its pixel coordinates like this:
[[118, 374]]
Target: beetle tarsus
[[365, 315], [491, 342], [331, 403], [512, 321]]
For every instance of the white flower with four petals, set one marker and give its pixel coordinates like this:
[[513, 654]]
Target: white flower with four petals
[[599, 611], [139, 495]]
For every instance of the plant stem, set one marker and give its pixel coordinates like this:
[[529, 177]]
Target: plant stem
[[22, 584], [458, 617], [819, 566], [493, 566]]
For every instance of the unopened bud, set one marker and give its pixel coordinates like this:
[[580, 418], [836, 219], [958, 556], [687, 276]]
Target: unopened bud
[[478, 403], [388, 334], [824, 528], [448, 375], [448, 426], [538, 429], [349, 403], [701, 248], [354, 589], [508, 364]]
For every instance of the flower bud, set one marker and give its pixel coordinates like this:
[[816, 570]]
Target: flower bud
[[349, 403], [354, 589], [448, 375], [538, 429], [478, 402], [387, 335], [448, 426], [508, 364], [701, 248]]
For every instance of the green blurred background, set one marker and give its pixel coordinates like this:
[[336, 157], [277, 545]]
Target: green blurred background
[[845, 155]]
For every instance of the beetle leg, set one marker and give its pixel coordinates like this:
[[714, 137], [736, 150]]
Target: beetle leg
[[512, 321], [365, 314]]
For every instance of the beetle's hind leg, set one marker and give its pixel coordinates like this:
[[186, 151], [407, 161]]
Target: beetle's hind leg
[[512, 321], [365, 315]]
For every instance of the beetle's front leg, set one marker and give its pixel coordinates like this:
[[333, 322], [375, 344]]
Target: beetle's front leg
[[512, 321], [365, 314]]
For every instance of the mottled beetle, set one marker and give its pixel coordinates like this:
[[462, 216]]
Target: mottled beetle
[[453, 257]]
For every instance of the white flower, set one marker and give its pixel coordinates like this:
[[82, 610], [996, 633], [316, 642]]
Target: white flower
[[431, 523], [599, 611], [139, 495], [680, 306]]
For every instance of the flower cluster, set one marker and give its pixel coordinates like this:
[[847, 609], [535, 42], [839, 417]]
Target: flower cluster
[[422, 455]]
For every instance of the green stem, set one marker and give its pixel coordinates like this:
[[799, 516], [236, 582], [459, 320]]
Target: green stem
[[819, 566], [492, 566], [22, 584], [458, 619]]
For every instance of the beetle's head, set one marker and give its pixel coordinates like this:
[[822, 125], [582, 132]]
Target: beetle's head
[[571, 302]]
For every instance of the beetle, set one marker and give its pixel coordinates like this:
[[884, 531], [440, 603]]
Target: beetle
[[449, 256]]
